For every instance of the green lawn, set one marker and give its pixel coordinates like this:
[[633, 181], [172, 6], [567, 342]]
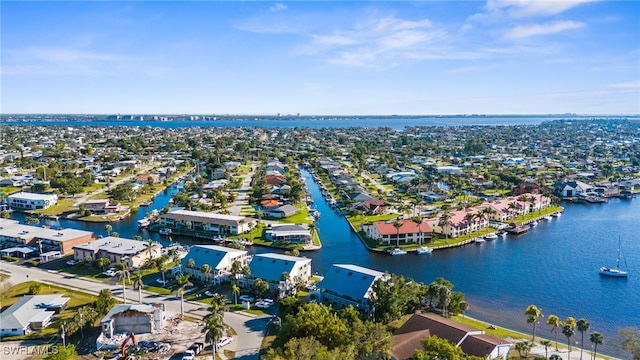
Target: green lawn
[[62, 206], [78, 299]]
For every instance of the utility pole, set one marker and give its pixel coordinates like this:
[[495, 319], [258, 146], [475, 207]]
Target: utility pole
[[64, 342], [80, 315]]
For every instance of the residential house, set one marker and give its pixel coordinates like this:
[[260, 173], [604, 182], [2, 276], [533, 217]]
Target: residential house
[[282, 212], [217, 224], [371, 207], [133, 252], [346, 284], [571, 188], [408, 338], [271, 266], [289, 233], [32, 201], [409, 231], [31, 313], [218, 258], [102, 206]]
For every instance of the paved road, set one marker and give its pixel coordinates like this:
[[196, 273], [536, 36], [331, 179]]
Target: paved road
[[250, 330], [243, 193]]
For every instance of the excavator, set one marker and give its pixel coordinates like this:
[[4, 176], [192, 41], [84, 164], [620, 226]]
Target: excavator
[[123, 347]]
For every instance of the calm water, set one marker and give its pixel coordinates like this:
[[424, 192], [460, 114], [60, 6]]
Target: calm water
[[397, 123]]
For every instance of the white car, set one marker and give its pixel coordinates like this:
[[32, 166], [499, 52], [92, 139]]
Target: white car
[[246, 298], [209, 293], [226, 340], [264, 304], [188, 355], [71, 262], [110, 273]]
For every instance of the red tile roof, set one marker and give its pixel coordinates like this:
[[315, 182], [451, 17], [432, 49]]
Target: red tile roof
[[407, 227]]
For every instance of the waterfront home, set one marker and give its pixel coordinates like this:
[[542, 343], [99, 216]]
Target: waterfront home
[[408, 338], [289, 233], [132, 252], [371, 207], [46, 240], [281, 212], [148, 178], [271, 267], [133, 318], [216, 224], [346, 284], [219, 259], [570, 188], [102, 206], [31, 201], [386, 233], [31, 313], [458, 223]]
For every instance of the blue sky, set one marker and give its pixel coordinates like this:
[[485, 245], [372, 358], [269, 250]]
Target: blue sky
[[321, 58]]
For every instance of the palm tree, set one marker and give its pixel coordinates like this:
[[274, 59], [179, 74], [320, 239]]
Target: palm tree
[[285, 277], [468, 217], [213, 330], [236, 269], [217, 308], [148, 247], [523, 346], [397, 224], [512, 206], [596, 339], [108, 229], [444, 222], [206, 270], [182, 281], [235, 290], [546, 344], [555, 323], [123, 275], [161, 265], [533, 313], [568, 331], [418, 220], [191, 264], [582, 325], [525, 199], [137, 282]]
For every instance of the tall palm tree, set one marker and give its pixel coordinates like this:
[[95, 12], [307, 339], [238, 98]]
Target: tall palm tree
[[469, 217], [418, 220], [137, 282], [182, 281], [161, 265], [206, 270], [123, 275], [525, 199], [213, 330], [444, 222], [555, 323], [546, 344], [148, 247], [596, 339], [236, 269], [512, 206], [217, 308], [568, 331], [582, 325], [397, 224], [235, 290], [533, 314]]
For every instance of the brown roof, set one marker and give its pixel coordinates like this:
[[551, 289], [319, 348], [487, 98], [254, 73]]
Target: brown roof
[[406, 344], [408, 338]]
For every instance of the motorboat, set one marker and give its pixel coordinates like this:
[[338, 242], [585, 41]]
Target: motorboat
[[397, 252], [479, 240], [616, 271], [424, 250], [547, 217], [533, 223], [492, 236], [143, 223], [557, 214]]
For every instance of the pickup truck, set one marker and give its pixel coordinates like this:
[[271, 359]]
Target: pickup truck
[[197, 347]]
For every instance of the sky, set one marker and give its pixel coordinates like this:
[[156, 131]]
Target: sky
[[320, 57]]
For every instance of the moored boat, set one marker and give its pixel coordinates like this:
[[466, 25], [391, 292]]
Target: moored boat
[[547, 217], [397, 252], [491, 236], [424, 250], [479, 240], [616, 271], [143, 223]]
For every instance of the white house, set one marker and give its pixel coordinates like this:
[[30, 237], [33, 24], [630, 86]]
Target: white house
[[271, 266], [32, 312], [133, 252], [289, 233], [32, 201], [346, 284], [208, 222], [219, 258]]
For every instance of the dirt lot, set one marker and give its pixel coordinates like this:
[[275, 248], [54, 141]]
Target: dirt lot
[[178, 334]]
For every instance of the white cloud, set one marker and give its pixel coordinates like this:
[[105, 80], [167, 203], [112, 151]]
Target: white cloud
[[631, 85], [524, 31], [528, 8], [278, 7]]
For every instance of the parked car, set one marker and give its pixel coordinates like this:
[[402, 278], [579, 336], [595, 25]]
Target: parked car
[[264, 303], [110, 273], [188, 355], [246, 298], [209, 293], [72, 262], [226, 340], [162, 282], [197, 347]]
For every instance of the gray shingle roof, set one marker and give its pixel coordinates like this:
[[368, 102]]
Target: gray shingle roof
[[270, 266], [350, 281]]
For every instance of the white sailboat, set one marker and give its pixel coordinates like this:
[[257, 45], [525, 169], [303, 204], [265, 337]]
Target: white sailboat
[[616, 271]]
